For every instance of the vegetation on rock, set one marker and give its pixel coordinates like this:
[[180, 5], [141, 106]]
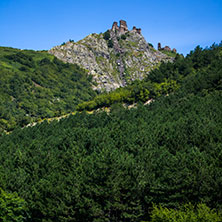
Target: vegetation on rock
[[119, 52]]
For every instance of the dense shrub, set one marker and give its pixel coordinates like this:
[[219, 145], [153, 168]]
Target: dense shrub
[[186, 213], [110, 43], [106, 35], [123, 37], [12, 207]]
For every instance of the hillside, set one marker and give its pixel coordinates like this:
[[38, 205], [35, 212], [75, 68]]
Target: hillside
[[37, 85], [115, 166], [114, 58], [199, 70]]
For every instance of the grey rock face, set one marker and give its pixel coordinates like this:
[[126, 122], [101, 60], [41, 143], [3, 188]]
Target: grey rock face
[[129, 58]]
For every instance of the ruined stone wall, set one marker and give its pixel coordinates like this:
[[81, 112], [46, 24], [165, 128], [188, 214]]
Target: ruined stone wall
[[115, 27], [166, 48], [123, 28]]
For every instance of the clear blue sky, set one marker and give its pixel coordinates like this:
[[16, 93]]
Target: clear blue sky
[[42, 24]]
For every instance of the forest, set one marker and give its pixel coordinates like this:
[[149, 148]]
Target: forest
[[36, 85], [156, 162]]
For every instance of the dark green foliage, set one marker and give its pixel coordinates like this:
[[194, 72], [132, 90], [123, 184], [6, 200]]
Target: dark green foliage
[[37, 85], [110, 43], [123, 37], [150, 44], [114, 166], [106, 35]]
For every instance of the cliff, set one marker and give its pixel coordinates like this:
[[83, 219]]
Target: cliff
[[114, 58]]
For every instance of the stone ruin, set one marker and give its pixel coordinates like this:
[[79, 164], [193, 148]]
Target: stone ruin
[[122, 28], [137, 30], [115, 27], [166, 48]]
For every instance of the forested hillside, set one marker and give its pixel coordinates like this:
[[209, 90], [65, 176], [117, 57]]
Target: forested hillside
[[37, 85], [119, 166]]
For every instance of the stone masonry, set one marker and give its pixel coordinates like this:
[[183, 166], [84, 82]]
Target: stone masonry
[[166, 48], [123, 28]]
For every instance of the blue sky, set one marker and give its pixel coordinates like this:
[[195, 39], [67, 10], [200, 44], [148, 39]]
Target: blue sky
[[42, 24]]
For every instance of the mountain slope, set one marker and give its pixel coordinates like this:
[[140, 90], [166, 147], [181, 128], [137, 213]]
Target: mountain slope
[[115, 166], [114, 58], [37, 85], [200, 70]]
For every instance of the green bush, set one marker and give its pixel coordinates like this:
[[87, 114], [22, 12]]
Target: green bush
[[106, 35], [123, 37], [110, 43], [186, 213], [12, 207]]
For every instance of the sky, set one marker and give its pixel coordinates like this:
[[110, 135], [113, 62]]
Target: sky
[[43, 24]]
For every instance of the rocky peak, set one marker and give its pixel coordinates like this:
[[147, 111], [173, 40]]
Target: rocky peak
[[114, 58]]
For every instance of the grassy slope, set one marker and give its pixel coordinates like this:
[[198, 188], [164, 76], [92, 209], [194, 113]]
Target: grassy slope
[[37, 85]]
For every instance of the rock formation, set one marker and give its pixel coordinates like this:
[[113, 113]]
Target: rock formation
[[112, 65]]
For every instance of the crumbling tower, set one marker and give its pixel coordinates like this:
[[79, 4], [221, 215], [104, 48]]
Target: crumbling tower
[[123, 26], [137, 30], [115, 27]]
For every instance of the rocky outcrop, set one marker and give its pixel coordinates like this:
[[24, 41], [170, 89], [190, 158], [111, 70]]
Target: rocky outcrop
[[114, 62]]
